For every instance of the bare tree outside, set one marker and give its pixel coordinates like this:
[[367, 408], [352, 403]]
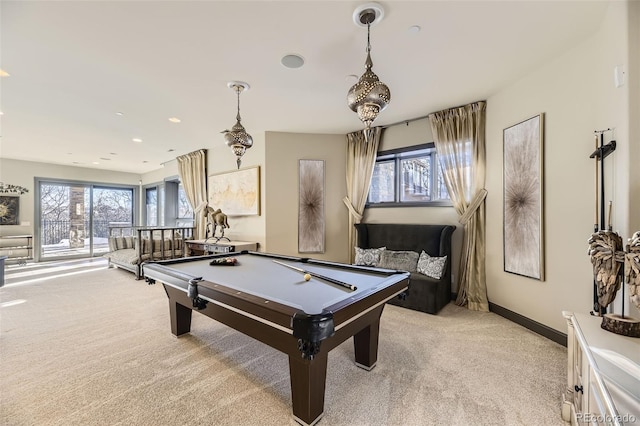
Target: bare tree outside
[[54, 202], [111, 206]]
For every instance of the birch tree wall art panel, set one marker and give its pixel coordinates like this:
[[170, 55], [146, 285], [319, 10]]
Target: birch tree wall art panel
[[311, 207], [523, 200]]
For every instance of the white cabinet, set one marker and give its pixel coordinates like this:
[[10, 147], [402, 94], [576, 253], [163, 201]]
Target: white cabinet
[[603, 374]]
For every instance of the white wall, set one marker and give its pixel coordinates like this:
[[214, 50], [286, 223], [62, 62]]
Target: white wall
[[220, 159], [633, 80], [283, 152], [577, 95], [170, 168]]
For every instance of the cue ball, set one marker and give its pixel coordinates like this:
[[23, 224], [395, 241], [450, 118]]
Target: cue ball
[[307, 277]]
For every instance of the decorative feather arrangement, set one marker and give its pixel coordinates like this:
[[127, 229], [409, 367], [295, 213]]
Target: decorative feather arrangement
[[632, 268], [605, 249]]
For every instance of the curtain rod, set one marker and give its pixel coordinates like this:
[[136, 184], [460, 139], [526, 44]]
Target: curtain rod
[[405, 121], [427, 116]]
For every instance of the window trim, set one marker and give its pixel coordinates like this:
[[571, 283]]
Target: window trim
[[397, 157]]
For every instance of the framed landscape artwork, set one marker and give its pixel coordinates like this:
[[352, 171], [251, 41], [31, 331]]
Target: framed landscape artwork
[[311, 207], [523, 200], [236, 193]]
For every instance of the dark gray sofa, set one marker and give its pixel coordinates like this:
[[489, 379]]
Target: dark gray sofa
[[425, 294]]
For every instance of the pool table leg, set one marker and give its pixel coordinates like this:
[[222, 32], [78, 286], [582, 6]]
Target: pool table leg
[[365, 344], [308, 380], [180, 318]]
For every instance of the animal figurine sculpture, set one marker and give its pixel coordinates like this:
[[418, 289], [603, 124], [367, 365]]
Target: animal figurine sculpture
[[216, 218]]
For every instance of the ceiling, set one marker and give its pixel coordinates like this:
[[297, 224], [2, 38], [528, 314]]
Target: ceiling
[[74, 64]]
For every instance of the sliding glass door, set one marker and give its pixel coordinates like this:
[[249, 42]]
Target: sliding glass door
[[74, 218]]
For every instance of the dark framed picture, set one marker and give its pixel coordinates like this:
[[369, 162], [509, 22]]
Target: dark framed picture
[[523, 200], [9, 210]]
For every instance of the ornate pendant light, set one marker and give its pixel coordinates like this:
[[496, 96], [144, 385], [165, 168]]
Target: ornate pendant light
[[237, 138], [369, 95]]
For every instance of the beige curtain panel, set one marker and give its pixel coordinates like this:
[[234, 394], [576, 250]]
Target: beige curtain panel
[[459, 136], [192, 168], [362, 147]]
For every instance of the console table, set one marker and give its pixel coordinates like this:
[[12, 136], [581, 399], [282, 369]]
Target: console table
[[17, 247], [211, 246], [603, 374]]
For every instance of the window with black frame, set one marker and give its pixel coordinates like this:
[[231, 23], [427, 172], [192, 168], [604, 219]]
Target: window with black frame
[[408, 177]]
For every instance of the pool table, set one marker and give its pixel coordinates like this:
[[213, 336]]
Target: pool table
[[262, 296]]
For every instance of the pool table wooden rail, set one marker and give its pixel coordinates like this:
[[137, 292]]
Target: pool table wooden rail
[[283, 315], [273, 323], [211, 292]]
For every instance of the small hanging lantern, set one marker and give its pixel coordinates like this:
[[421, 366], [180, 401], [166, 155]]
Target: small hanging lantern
[[237, 138]]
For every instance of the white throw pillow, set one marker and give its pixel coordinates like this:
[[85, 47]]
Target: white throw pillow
[[368, 257], [431, 266]]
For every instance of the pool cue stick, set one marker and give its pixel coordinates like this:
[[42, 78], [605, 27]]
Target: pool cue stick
[[313, 274], [595, 226], [602, 223], [609, 225]]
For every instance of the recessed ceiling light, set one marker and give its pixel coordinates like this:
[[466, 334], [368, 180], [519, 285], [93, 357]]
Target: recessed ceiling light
[[292, 61], [119, 113], [144, 161], [171, 150], [1, 113], [174, 120], [105, 159], [3, 73], [138, 140], [113, 153], [95, 162], [414, 29]]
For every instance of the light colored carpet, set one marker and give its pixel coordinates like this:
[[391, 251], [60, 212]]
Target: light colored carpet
[[96, 349]]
